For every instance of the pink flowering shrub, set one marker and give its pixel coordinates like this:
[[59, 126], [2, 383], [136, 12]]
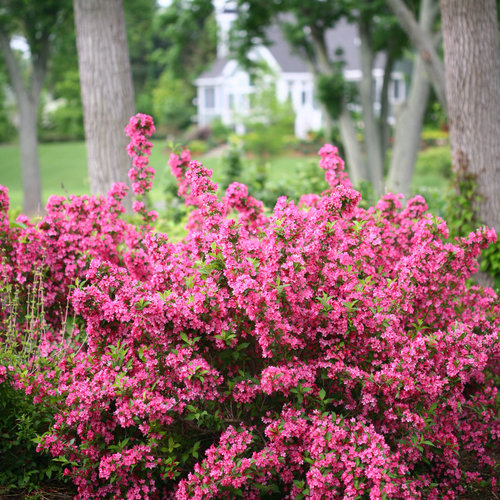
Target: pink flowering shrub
[[320, 351]]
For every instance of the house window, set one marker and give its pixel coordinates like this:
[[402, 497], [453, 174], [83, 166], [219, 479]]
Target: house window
[[304, 97], [230, 101], [395, 90], [210, 97]]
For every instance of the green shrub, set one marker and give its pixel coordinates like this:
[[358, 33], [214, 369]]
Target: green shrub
[[172, 103], [198, 147], [232, 163], [219, 132], [21, 466], [64, 124], [433, 136], [462, 219], [269, 121], [21, 420], [435, 161]]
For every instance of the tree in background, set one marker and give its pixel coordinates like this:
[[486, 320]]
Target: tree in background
[[472, 67], [410, 116], [40, 23], [470, 94], [185, 41], [62, 86], [65, 122], [305, 26], [140, 19], [7, 129], [107, 89], [423, 43]]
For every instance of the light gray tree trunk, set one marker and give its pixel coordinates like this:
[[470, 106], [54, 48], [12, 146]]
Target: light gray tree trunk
[[354, 159], [28, 141], [107, 91], [385, 129], [373, 140], [472, 63], [410, 116], [423, 44], [28, 97], [408, 130]]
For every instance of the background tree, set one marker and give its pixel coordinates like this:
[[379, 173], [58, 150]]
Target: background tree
[[423, 43], [62, 85], [7, 129], [472, 66], [410, 115], [39, 23], [140, 18], [305, 25], [185, 41], [107, 89]]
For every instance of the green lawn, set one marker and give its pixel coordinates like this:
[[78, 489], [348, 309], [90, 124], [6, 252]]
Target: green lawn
[[64, 171]]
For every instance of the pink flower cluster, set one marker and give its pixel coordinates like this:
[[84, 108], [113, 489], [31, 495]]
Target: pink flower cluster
[[139, 128], [333, 352]]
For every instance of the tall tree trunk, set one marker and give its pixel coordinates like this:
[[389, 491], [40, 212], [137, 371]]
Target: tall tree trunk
[[408, 131], [354, 159], [385, 129], [107, 91], [373, 142], [28, 98], [472, 64], [28, 141], [411, 114], [424, 45]]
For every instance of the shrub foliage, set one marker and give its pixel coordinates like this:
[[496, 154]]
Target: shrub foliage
[[321, 351]]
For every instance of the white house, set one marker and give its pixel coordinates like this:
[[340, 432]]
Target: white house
[[223, 90]]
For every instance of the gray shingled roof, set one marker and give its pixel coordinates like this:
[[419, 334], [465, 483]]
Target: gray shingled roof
[[343, 36], [216, 69]]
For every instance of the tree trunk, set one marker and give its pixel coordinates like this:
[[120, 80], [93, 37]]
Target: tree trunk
[[408, 130], [28, 141], [107, 91], [423, 45], [373, 142], [27, 98], [410, 118], [472, 64], [354, 159], [385, 129]]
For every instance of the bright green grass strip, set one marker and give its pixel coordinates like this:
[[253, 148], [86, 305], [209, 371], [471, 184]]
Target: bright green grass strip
[[64, 170]]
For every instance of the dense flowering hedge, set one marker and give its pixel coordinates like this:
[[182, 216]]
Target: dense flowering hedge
[[321, 351]]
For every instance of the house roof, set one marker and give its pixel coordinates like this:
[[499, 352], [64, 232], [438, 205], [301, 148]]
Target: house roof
[[344, 36], [216, 69]]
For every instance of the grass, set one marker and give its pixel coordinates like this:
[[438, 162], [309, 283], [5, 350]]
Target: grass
[[64, 171]]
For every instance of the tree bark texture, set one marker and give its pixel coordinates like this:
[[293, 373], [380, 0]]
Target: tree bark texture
[[410, 116], [472, 64], [372, 129], [28, 98], [107, 89], [424, 46], [408, 131], [354, 159]]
